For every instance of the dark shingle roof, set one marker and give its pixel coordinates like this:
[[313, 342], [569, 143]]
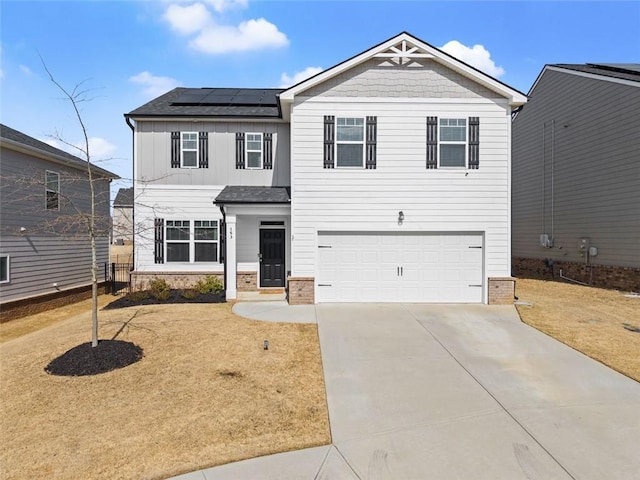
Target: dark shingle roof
[[8, 133], [213, 102], [623, 71], [253, 194], [124, 198]]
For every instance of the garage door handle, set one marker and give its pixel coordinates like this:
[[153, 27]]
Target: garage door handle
[[325, 285], [475, 285], [324, 246], [475, 247]]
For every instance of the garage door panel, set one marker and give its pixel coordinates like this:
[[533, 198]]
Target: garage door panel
[[393, 267]]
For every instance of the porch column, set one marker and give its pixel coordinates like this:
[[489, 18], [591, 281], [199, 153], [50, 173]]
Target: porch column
[[232, 266]]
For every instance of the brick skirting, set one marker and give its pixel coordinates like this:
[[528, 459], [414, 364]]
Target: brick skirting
[[604, 276], [30, 306], [501, 290], [140, 280], [301, 290], [247, 281]]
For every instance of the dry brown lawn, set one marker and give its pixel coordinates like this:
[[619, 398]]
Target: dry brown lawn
[[205, 393], [591, 320]]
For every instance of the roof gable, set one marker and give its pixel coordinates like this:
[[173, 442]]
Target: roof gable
[[405, 50]]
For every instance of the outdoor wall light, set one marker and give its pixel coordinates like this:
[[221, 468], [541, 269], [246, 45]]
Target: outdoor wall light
[[400, 217], [23, 230], [266, 344]]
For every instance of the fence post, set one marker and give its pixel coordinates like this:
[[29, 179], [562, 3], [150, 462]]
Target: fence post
[[113, 279]]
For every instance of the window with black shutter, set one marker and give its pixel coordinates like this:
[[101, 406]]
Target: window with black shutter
[[203, 150], [474, 142], [267, 151], [240, 150], [432, 142], [329, 140], [175, 149], [372, 131], [159, 240]]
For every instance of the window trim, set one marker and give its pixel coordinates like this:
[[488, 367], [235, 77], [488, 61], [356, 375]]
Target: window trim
[[362, 143], [47, 190], [465, 143], [8, 280], [183, 149], [191, 242], [247, 150]]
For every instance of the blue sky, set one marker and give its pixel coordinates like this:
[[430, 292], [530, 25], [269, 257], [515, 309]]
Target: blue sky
[[127, 52]]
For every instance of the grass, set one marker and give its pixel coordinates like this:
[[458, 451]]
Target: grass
[[206, 393], [591, 320]]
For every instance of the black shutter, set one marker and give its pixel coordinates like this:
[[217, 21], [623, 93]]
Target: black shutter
[[175, 149], [203, 150], [372, 132], [329, 129], [240, 150], [159, 240], [267, 164], [474, 142], [432, 142]]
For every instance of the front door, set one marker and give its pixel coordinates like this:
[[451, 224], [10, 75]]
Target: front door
[[272, 268]]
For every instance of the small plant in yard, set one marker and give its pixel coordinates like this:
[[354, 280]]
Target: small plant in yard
[[159, 289], [189, 294], [209, 284], [138, 296]]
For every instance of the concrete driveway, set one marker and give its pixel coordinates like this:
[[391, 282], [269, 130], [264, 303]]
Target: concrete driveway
[[458, 392]]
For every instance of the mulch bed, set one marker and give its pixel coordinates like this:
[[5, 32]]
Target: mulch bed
[[176, 296], [87, 360]]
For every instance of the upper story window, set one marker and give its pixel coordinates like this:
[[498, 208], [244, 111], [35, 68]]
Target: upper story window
[[189, 149], [4, 269], [453, 142], [349, 142], [254, 150], [52, 190]]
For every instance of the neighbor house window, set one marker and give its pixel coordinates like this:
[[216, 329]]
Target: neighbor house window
[[453, 142], [191, 241], [349, 142], [189, 149], [52, 190], [254, 150], [177, 239], [4, 269], [206, 240]]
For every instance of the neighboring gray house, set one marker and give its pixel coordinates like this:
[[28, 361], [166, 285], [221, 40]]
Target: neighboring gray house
[[122, 232], [45, 253], [383, 178], [576, 176]]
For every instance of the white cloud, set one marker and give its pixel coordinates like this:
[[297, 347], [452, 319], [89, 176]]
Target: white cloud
[[190, 19], [477, 56], [26, 70], [213, 37], [98, 147], [154, 86], [287, 81]]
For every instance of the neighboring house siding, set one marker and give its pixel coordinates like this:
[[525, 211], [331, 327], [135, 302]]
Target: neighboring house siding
[[171, 203], [429, 80], [591, 181], [440, 200], [153, 147], [55, 246], [122, 224]]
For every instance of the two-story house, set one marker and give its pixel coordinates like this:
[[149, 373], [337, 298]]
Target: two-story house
[[45, 249], [384, 178]]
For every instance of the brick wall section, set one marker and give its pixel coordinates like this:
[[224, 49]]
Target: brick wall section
[[140, 280], [301, 290], [247, 281], [605, 276], [33, 305], [501, 290]]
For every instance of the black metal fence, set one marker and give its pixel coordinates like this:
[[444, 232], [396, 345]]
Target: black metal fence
[[118, 277]]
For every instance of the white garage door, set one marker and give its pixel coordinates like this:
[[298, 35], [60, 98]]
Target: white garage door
[[399, 267]]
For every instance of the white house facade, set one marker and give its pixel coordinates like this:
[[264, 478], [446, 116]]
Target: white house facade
[[385, 178]]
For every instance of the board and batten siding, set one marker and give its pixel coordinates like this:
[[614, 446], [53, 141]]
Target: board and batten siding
[[55, 246], [153, 154], [171, 202], [576, 170], [440, 200]]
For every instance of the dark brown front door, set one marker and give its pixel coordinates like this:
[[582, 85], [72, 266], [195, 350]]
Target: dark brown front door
[[272, 268]]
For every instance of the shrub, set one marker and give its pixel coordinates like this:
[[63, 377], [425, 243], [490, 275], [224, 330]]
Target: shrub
[[159, 289], [138, 296], [209, 284], [189, 294]]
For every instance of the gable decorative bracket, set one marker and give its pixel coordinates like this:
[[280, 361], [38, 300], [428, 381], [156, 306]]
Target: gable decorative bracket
[[403, 53]]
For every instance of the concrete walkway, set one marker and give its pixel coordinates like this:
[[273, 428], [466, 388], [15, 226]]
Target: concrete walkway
[[465, 392]]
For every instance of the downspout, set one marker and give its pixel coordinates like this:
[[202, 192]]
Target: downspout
[[553, 150], [133, 184], [224, 232]]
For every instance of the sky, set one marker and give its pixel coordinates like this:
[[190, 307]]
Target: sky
[[124, 53]]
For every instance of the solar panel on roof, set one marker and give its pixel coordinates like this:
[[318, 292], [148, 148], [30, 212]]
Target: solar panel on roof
[[228, 97]]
